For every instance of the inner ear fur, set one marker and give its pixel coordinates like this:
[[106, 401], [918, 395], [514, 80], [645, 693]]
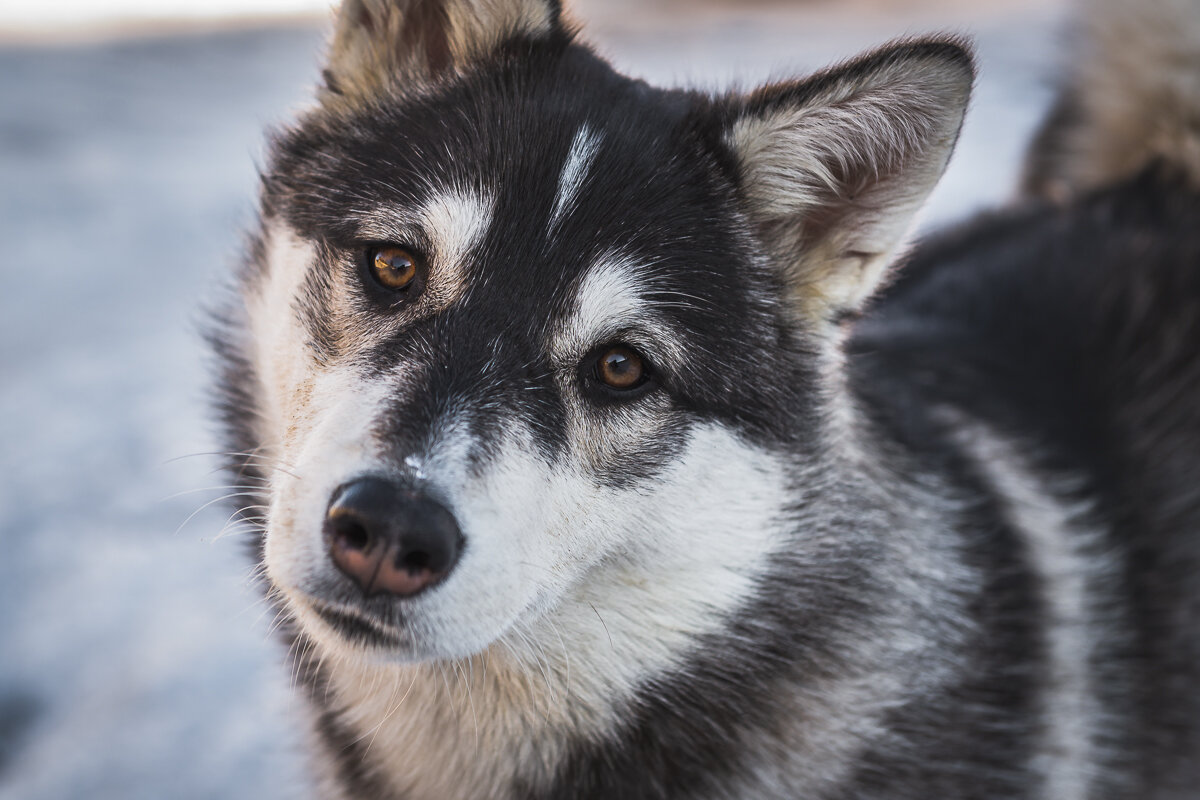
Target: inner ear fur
[[834, 168], [380, 46]]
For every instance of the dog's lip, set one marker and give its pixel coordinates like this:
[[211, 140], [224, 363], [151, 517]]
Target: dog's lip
[[356, 625]]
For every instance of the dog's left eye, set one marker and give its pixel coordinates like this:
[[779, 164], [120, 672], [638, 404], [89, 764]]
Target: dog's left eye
[[393, 268]]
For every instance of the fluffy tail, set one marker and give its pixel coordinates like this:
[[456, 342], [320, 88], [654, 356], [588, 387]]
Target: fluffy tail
[[1130, 98]]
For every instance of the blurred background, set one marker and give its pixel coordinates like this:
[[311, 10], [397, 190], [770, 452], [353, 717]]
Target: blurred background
[[135, 655]]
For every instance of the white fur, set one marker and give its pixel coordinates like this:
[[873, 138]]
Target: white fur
[[1061, 549], [330, 444], [611, 301], [583, 151], [274, 331], [456, 221]]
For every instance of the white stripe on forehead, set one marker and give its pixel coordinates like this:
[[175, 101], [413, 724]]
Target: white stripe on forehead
[[583, 151], [611, 301]]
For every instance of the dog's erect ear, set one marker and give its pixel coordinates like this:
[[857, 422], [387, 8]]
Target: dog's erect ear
[[381, 44], [834, 168]]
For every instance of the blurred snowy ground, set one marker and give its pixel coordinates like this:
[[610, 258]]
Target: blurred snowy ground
[[135, 660]]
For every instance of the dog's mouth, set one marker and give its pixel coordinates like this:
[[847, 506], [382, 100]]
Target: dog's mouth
[[358, 628]]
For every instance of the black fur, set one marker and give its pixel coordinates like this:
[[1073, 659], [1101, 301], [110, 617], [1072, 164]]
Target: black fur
[[1077, 328]]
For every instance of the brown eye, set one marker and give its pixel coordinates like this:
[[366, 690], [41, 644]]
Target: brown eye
[[620, 368], [393, 267]]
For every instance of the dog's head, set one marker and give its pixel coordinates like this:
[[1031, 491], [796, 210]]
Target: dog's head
[[522, 335]]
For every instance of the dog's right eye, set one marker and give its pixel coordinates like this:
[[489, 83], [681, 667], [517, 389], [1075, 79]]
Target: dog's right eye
[[393, 268], [620, 368], [616, 373]]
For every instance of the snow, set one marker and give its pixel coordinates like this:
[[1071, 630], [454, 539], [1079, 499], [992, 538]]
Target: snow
[[136, 659]]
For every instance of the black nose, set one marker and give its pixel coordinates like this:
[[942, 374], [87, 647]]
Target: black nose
[[390, 538]]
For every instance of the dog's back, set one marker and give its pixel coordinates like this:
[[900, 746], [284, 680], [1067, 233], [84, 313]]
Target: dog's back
[[1069, 327]]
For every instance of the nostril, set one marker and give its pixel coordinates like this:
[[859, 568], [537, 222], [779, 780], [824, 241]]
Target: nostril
[[416, 562], [349, 533]]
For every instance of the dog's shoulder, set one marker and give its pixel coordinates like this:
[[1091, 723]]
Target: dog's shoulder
[[1052, 321]]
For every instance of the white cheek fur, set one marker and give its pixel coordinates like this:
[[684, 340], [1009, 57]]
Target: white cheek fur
[[330, 444]]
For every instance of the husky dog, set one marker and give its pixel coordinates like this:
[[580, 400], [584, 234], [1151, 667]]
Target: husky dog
[[589, 467]]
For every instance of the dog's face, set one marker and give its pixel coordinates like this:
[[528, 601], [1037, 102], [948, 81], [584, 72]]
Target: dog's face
[[525, 335]]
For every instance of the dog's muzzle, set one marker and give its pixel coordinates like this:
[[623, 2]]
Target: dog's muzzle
[[390, 538]]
